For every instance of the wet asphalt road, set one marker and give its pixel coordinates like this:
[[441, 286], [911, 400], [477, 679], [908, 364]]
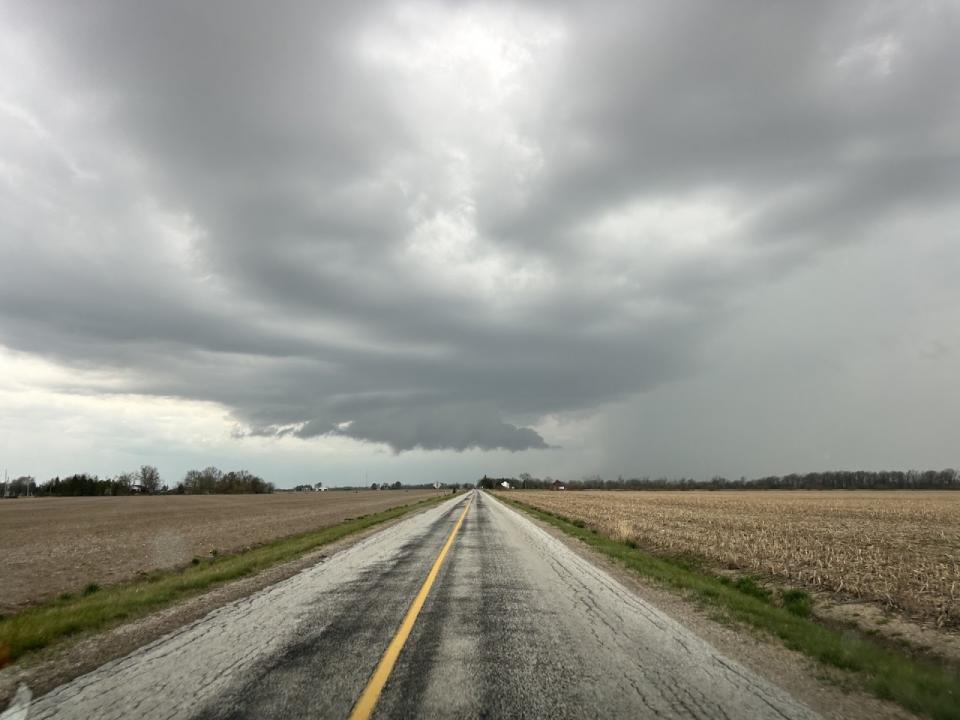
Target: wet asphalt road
[[516, 625]]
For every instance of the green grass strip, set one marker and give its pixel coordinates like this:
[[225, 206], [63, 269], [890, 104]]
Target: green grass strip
[[98, 608], [918, 685]]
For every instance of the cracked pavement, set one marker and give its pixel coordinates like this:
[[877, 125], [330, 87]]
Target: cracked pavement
[[517, 625]]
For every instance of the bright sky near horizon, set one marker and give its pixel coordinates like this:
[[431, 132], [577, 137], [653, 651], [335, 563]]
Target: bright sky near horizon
[[431, 240]]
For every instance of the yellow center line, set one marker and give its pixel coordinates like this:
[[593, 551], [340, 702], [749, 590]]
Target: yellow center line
[[371, 693]]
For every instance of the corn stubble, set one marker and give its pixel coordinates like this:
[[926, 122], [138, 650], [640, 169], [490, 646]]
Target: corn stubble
[[900, 549]]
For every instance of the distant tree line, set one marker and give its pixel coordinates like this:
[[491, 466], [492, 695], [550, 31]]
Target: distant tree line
[[397, 485], [489, 483], [146, 480], [317, 487], [18, 487], [948, 479], [388, 486], [212, 480]]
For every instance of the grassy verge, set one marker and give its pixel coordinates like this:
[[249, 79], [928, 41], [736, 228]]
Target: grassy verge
[[97, 608], [917, 684]]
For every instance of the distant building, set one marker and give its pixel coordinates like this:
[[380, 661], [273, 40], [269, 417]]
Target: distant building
[[505, 485], [557, 485]]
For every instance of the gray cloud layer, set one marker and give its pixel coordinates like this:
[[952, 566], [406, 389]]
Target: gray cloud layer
[[433, 225]]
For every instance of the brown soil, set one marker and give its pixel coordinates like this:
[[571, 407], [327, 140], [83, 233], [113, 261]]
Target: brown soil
[[57, 545], [937, 643]]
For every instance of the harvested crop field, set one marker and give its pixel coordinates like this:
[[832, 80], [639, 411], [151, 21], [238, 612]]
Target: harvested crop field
[[57, 545], [901, 549]]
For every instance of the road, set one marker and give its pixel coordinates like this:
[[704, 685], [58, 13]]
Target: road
[[514, 625]]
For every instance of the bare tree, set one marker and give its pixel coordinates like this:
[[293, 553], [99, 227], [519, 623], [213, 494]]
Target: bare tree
[[149, 478], [124, 482]]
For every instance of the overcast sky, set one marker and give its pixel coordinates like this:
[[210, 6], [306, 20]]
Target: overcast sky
[[427, 241]]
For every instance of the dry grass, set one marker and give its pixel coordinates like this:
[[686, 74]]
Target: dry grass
[[60, 545], [901, 549]]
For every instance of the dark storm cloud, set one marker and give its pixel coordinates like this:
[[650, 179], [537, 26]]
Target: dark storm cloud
[[248, 204]]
